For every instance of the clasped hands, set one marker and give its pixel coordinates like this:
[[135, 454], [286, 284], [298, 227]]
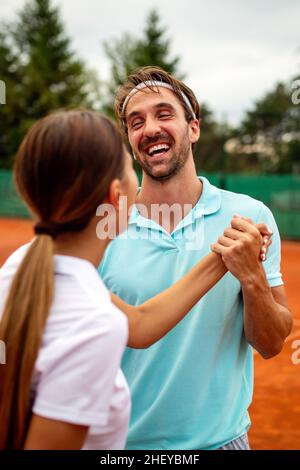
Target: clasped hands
[[243, 246]]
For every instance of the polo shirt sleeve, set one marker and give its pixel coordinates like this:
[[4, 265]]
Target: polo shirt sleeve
[[272, 263], [77, 372]]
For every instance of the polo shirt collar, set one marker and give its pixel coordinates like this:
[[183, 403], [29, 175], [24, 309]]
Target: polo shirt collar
[[210, 197], [208, 203]]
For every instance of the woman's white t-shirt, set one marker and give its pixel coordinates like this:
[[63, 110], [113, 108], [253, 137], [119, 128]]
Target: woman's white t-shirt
[[77, 376]]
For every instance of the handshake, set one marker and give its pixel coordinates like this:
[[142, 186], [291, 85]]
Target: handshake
[[243, 245]]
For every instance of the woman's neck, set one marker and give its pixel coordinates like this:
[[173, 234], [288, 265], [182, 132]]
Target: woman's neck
[[85, 245]]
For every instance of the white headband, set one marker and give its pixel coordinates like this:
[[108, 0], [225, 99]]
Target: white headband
[[151, 83]]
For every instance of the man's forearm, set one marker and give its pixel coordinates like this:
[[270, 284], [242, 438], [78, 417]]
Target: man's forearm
[[266, 322]]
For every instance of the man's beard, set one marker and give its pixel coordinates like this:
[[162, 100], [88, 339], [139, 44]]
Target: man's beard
[[175, 163]]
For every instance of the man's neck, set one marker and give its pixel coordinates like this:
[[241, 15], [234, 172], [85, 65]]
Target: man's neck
[[183, 189]]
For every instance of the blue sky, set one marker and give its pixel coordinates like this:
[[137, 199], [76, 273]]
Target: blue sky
[[231, 51]]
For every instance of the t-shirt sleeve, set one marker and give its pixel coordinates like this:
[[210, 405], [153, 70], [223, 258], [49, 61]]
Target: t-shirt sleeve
[[272, 263], [76, 375]]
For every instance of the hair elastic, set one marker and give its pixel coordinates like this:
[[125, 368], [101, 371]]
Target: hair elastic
[[47, 228]]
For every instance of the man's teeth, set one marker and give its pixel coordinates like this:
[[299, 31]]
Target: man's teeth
[[155, 149]]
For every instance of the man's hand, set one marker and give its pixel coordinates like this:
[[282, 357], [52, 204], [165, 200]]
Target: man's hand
[[267, 318], [242, 246]]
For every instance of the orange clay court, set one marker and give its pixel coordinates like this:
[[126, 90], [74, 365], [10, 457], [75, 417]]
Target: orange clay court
[[275, 411]]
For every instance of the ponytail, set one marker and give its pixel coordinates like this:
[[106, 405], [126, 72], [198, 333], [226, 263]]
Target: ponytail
[[63, 171], [21, 328]]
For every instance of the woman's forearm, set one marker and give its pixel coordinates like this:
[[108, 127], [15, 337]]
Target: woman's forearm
[[151, 320]]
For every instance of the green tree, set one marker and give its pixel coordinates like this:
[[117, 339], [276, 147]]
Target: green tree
[[209, 151], [268, 112], [271, 129], [128, 53], [41, 72], [10, 112], [153, 48]]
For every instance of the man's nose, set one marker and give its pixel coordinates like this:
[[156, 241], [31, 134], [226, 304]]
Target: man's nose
[[151, 127]]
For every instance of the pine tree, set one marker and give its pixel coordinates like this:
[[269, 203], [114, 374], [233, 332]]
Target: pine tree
[[10, 112], [274, 122], [53, 77], [41, 70], [153, 48], [128, 53]]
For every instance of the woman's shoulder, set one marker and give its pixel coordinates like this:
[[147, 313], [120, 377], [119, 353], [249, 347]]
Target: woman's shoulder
[[15, 258], [82, 308], [79, 288], [7, 272]]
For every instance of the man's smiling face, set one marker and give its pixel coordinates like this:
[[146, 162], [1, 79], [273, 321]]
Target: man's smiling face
[[158, 132]]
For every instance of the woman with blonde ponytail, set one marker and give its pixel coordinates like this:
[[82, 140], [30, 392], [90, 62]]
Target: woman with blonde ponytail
[[62, 386], [22, 333]]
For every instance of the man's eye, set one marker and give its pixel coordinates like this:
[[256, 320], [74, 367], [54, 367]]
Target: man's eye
[[136, 124], [164, 115]]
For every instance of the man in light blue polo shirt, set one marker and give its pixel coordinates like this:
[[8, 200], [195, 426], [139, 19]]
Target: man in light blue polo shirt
[[191, 389]]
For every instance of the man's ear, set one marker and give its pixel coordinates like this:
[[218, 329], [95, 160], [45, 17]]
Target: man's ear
[[114, 193], [194, 130]]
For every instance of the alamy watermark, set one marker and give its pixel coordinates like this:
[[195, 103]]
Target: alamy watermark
[[184, 222], [296, 354], [2, 353], [296, 93], [2, 92]]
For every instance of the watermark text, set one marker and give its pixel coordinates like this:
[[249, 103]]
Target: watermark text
[[2, 353], [154, 222], [296, 354], [2, 92], [296, 93]]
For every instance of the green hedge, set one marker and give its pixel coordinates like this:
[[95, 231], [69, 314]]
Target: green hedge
[[10, 203], [279, 192]]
